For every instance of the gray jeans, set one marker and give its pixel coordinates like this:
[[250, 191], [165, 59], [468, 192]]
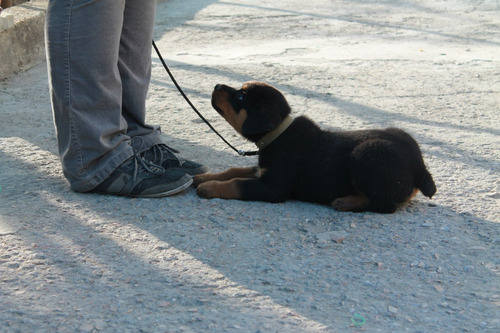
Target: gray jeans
[[99, 65]]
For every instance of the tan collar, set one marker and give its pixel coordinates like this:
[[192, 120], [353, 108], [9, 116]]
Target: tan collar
[[273, 135]]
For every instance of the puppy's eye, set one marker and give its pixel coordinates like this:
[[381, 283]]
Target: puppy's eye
[[241, 95]]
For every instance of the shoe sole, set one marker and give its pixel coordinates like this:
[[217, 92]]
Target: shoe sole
[[191, 172], [166, 193]]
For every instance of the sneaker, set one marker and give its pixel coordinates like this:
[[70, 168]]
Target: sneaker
[[137, 177], [166, 157]]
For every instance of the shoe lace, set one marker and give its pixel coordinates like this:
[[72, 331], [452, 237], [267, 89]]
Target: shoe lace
[[146, 165], [162, 151]]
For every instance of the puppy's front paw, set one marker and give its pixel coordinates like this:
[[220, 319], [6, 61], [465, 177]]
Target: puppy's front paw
[[200, 179], [207, 189]]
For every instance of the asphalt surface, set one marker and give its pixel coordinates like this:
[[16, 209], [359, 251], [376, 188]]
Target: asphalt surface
[[73, 262]]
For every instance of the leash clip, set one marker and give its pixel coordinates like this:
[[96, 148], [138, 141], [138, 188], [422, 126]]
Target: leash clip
[[247, 153]]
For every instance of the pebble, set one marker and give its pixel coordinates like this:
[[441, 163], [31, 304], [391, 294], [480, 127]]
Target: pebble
[[422, 245], [336, 236], [469, 268], [419, 264], [87, 328], [438, 288], [494, 195], [392, 309], [478, 248]]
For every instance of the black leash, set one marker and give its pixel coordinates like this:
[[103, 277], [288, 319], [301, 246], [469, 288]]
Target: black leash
[[240, 152]]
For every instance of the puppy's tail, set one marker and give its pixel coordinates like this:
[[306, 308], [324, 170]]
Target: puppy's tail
[[425, 183]]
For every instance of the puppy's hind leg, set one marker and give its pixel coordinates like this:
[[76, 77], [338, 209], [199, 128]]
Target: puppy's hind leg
[[381, 173], [351, 203]]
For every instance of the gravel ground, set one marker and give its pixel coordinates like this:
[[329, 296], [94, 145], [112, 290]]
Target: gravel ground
[[74, 262]]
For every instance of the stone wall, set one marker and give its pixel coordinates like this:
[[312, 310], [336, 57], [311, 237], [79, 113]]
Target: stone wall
[[22, 37]]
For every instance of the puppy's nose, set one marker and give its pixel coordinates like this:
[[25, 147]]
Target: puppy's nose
[[218, 87]]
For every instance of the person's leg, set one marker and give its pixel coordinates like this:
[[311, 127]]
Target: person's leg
[[135, 71], [83, 41], [134, 64]]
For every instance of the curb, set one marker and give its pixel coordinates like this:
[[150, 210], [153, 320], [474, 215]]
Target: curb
[[22, 37]]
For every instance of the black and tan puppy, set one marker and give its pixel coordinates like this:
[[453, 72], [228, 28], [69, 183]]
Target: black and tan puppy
[[375, 170]]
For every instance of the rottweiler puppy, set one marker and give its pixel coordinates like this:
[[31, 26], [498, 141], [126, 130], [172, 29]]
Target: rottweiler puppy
[[367, 170]]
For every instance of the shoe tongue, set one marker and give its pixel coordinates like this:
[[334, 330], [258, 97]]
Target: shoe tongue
[[169, 154], [163, 155], [153, 155]]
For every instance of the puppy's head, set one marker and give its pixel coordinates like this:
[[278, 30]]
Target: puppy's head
[[254, 110]]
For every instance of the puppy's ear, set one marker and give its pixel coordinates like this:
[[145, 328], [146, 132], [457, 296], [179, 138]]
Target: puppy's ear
[[257, 125], [261, 121], [266, 108]]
